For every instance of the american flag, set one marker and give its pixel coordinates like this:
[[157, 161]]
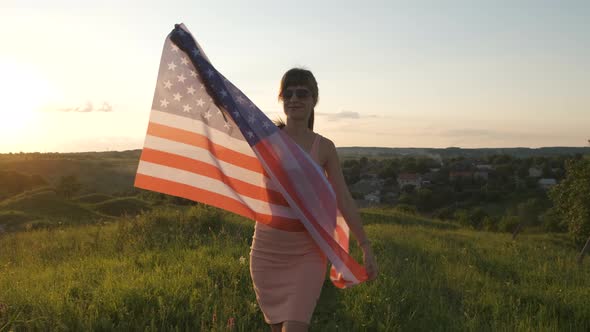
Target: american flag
[[206, 141]]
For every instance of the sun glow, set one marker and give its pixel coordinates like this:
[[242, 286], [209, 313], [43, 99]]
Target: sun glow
[[23, 93]]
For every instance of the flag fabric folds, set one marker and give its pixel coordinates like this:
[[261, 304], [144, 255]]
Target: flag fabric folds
[[206, 141]]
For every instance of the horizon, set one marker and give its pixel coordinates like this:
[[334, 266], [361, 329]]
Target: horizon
[[81, 77], [340, 147]]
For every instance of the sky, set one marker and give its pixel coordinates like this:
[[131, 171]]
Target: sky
[[80, 75]]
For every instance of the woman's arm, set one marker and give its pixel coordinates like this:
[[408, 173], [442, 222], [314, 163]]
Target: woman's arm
[[348, 207]]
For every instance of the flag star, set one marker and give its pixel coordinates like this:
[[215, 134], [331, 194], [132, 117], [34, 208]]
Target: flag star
[[219, 112], [196, 51], [208, 115], [190, 90], [181, 78], [186, 108], [223, 93], [240, 99], [172, 66], [251, 119], [174, 48], [236, 114], [200, 102], [193, 73], [250, 134], [265, 124], [202, 86], [210, 72], [184, 61], [177, 96], [226, 125], [167, 84], [164, 103]]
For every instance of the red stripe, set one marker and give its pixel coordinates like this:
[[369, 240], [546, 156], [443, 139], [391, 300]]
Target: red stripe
[[205, 169], [305, 161], [217, 200], [264, 149], [217, 150]]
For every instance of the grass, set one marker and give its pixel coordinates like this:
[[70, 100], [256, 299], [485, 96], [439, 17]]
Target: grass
[[121, 206], [93, 198], [180, 269]]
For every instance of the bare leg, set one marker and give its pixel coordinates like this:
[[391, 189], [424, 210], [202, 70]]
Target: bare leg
[[276, 327], [294, 326]]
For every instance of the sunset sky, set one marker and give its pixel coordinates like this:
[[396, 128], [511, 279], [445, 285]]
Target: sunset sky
[[471, 74]]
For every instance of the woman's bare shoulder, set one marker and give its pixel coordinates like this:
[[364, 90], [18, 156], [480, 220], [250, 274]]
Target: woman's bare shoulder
[[326, 149], [326, 143]]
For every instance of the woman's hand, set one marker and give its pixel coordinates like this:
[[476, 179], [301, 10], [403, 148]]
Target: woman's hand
[[369, 261]]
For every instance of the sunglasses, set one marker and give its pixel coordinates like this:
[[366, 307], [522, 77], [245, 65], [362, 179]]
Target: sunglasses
[[300, 93]]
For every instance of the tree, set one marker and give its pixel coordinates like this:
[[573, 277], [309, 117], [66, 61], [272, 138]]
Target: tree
[[528, 214], [68, 186], [571, 199], [425, 200]]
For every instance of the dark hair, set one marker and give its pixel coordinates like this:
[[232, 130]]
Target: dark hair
[[304, 77]]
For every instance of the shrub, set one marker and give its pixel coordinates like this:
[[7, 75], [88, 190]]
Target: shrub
[[508, 224], [406, 208], [489, 224], [446, 213]]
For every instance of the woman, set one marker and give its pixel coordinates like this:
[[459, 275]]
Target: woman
[[287, 268]]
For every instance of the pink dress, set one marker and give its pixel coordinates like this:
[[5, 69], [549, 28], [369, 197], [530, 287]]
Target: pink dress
[[288, 270]]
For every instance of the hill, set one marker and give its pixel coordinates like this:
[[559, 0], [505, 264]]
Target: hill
[[41, 208], [187, 269]]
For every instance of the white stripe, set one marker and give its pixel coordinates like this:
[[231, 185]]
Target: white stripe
[[201, 128], [200, 154], [209, 184], [306, 189]]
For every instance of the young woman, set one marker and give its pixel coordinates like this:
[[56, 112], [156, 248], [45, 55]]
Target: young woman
[[287, 268]]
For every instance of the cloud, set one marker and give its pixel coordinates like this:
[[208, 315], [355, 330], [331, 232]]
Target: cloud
[[89, 107], [340, 115]]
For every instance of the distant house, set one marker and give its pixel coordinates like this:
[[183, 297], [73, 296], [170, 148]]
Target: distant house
[[535, 172], [546, 183], [429, 178], [484, 167], [413, 179], [455, 175]]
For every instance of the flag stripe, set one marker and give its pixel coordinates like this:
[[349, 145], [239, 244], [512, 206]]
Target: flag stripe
[[208, 170], [215, 199], [316, 188], [206, 183], [204, 155], [199, 127], [194, 139]]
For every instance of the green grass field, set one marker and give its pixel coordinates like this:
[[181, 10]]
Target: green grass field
[[181, 269]]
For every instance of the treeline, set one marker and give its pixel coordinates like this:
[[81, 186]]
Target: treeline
[[506, 199], [23, 156]]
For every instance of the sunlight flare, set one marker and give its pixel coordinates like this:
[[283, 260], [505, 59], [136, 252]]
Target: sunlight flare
[[24, 93]]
